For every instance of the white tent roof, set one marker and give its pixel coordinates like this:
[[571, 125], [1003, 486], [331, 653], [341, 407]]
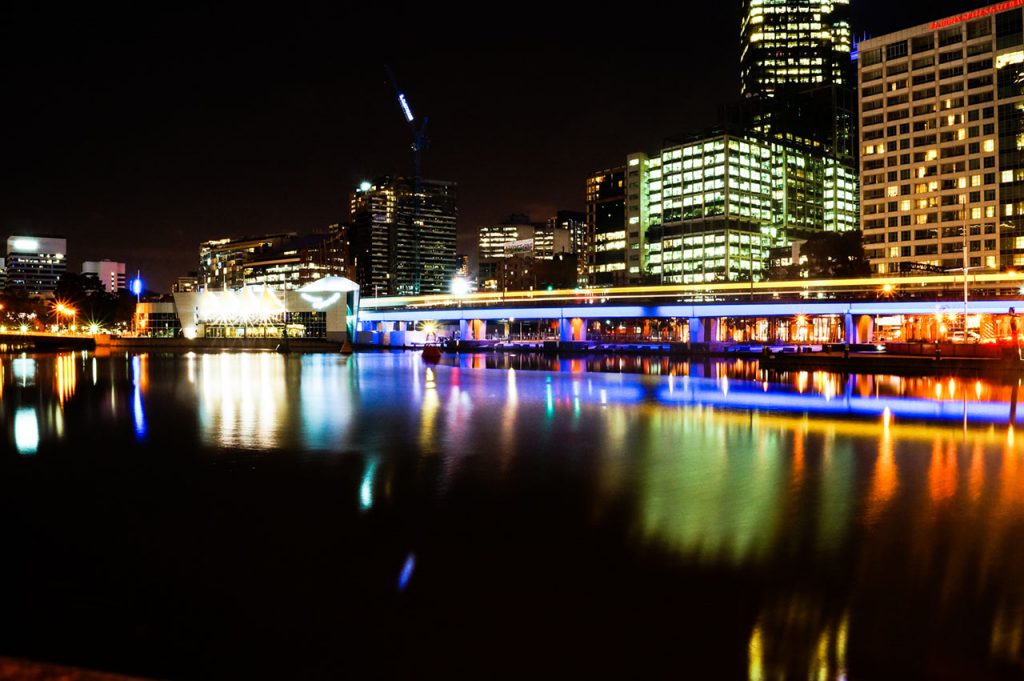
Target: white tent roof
[[330, 285]]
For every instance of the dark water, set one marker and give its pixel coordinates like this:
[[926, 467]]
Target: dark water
[[307, 517]]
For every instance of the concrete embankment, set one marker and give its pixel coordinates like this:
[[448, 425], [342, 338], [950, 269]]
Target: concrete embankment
[[207, 344]]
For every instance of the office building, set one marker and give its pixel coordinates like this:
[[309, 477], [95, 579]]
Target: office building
[[189, 284], [222, 262], [35, 264], [605, 241], [576, 224], [298, 261], [708, 210], [403, 243], [550, 240], [780, 167], [498, 241], [109, 273], [796, 45], [942, 136]]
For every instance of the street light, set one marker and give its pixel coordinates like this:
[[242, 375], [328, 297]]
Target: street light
[[66, 311]]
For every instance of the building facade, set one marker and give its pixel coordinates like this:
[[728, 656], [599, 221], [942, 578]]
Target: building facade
[[403, 242], [109, 273], [297, 262], [942, 143], [222, 262], [325, 308], [35, 264], [605, 242]]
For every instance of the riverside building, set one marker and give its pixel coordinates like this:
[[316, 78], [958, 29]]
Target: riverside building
[[942, 143]]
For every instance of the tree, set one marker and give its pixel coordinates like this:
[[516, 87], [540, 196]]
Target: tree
[[86, 295], [835, 255]]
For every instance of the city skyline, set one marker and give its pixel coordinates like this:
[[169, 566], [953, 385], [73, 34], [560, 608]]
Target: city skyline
[[137, 150]]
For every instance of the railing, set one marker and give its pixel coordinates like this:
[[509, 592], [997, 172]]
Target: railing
[[935, 287]]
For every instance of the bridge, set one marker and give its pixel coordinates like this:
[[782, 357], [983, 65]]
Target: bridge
[[924, 307]]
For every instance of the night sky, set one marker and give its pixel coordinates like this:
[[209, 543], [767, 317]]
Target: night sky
[[138, 133]]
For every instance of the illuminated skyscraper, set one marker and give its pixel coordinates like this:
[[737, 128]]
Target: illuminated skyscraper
[[401, 243], [795, 45]]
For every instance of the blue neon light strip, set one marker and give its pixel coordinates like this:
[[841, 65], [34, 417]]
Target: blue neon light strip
[[599, 311]]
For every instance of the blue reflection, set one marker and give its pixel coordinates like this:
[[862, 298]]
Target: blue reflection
[[137, 413], [26, 431], [752, 395], [366, 488], [406, 574]]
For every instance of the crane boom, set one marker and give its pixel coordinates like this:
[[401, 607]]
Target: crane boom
[[419, 144]]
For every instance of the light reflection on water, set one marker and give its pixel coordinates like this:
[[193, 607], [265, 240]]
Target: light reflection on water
[[832, 495]]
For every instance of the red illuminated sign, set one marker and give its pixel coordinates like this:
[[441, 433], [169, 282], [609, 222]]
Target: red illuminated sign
[[978, 13]]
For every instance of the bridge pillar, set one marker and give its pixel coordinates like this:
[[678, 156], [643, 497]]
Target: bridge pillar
[[385, 327], [711, 329], [866, 329], [477, 330], [696, 330], [859, 329], [574, 329]]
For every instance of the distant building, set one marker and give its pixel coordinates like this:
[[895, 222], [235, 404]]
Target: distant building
[[523, 272], [550, 239], [605, 242], [274, 260], [403, 243], [573, 220], [462, 265], [188, 284], [297, 262], [497, 241], [222, 262], [109, 273], [35, 264]]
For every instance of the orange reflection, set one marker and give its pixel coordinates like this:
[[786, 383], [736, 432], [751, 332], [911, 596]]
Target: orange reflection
[[942, 473], [66, 377], [885, 480]]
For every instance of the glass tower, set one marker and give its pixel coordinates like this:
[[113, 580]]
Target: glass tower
[[794, 45]]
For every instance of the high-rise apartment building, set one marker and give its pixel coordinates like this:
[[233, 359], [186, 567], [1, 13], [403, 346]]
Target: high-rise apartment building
[[109, 273], [793, 45], [605, 242], [942, 143], [35, 264], [403, 242]]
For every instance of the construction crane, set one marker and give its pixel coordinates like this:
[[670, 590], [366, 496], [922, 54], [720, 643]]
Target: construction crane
[[419, 145]]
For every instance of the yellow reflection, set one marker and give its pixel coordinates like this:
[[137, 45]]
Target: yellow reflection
[[702, 501], [1007, 634], [755, 655], [242, 399], [428, 412], [66, 377]]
